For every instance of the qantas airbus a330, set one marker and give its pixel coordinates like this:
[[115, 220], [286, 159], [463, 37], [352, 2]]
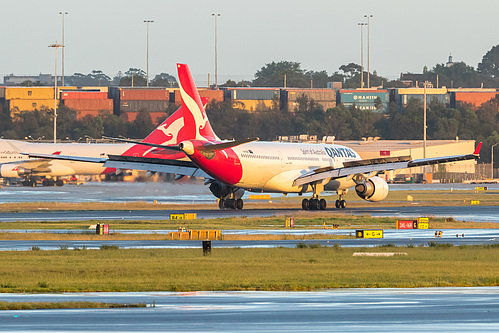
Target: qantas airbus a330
[[231, 167]]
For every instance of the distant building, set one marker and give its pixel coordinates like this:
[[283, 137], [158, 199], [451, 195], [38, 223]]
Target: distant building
[[14, 80], [449, 63]]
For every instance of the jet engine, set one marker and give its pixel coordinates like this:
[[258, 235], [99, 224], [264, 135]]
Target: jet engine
[[372, 189], [13, 170], [222, 191]]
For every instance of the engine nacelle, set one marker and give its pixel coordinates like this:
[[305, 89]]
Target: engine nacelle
[[373, 189], [219, 189], [222, 191], [13, 170]]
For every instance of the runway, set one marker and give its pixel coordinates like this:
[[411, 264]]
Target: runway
[[459, 213], [345, 310]]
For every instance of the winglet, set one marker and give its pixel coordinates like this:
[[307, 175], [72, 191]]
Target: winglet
[[477, 150]]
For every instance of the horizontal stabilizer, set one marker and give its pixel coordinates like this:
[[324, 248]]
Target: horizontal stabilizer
[[155, 145], [225, 145]]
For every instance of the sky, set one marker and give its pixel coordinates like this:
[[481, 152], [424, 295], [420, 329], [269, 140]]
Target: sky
[[110, 35]]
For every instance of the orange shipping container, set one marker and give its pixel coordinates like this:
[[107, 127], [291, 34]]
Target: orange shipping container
[[83, 95], [132, 115], [93, 113], [476, 99], [89, 104], [217, 95], [144, 94]]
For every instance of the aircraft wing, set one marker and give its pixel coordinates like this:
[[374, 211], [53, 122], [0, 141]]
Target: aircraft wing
[[179, 167], [377, 165], [67, 157]]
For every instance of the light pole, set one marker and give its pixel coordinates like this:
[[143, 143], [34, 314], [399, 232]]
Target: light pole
[[147, 52], [492, 158], [216, 60], [361, 53], [63, 13], [424, 118], [368, 39], [55, 46]]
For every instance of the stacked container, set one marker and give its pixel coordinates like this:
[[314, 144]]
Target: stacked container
[[404, 95], [474, 97], [28, 98], [133, 100], [326, 98], [87, 103], [254, 99], [211, 95], [365, 99]]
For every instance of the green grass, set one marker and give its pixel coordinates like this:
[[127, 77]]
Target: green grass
[[304, 268]]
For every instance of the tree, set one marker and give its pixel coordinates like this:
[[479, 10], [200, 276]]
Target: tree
[[490, 63], [133, 77], [141, 126], [163, 80], [351, 69], [272, 75]]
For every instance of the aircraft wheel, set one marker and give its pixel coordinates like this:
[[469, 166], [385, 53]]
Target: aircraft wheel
[[45, 182], [305, 204], [221, 204], [343, 204], [322, 204], [314, 204], [239, 204], [59, 182], [232, 203], [337, 204]]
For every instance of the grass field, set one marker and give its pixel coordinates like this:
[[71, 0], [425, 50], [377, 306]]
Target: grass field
[[246, 269]]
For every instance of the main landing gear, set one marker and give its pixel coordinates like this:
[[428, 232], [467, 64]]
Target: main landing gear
[[313, 204], [341, 203], [230, 204]]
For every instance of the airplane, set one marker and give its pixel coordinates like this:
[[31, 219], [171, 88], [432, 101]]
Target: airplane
[[86, 158], [233, 167]]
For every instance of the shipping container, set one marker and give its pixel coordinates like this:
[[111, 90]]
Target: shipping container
[[29, 93], [155, 116], [293, 106], [363, 96], [440, 98], [143, 94], [474, 98], [93, 113], [324, 95], [89, 104], [255, 105], [253, 93], [2, 92], [151, 106], [18, 105], [96, 88], [217, 95], [83, 95], [420, 91], [383, 107]]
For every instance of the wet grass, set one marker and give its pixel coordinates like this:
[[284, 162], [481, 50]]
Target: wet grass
[[306, 268], [302, 220]]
